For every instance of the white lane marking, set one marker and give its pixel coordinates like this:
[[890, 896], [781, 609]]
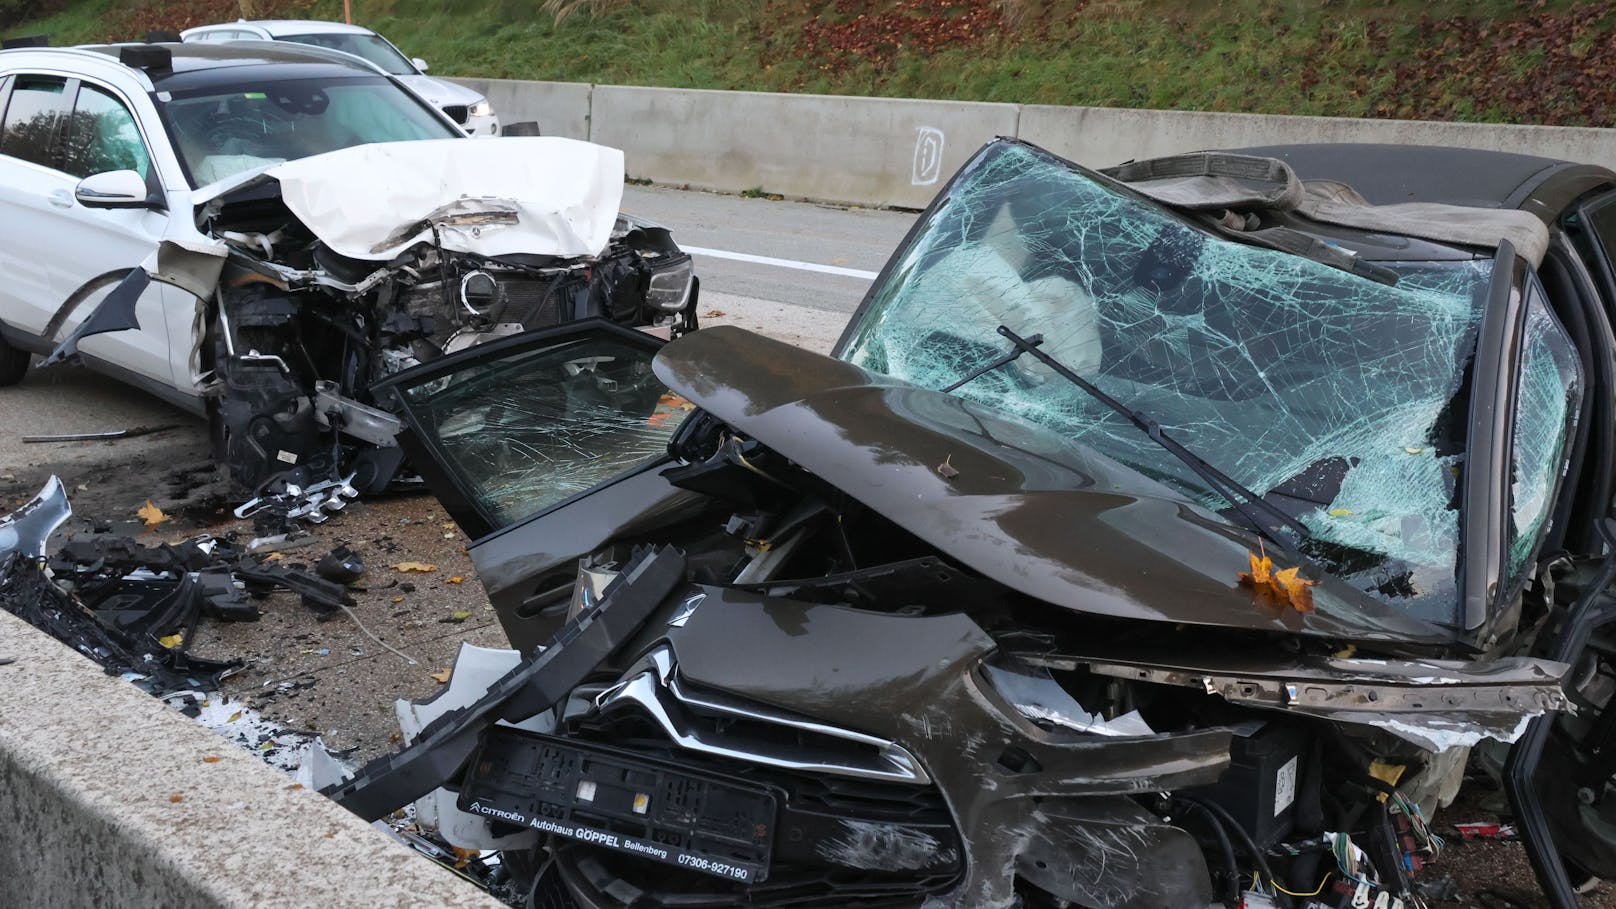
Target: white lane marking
[[781, 263]]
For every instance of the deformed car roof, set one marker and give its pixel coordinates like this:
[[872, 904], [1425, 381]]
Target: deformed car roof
[[1389, 174]]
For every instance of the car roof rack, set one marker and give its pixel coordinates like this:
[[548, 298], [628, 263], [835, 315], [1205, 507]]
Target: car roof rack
[[148, 57], [25, 41]]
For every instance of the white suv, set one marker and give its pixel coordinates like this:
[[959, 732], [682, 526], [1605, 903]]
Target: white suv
[[466, 107], [259, 231]]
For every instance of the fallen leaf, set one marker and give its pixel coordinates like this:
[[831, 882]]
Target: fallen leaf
[[211, 759], [234, 716], [457, 579], [947, 470], [448, 525], [1298, 590], [171, 641], [1415, 451], [462, 856], [461, 616], [714, 313], [150, 514], [398, 599], [176, 798], [1274, 589], [1339, 512], [415, 567], [294, 787], [442, 676], [1261, 571]]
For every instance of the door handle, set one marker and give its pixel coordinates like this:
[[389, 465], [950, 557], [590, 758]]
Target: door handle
[[61, 198]]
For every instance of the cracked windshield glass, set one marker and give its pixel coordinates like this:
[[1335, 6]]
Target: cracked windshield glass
[[1336, 397]]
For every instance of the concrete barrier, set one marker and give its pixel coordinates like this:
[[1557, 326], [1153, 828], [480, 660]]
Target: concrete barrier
[[897, 151], [561, 108], [109, 803], [869, 151], [1103, 136]]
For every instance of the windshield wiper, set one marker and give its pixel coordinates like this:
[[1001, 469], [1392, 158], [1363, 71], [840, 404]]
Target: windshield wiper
[[1248, 503]]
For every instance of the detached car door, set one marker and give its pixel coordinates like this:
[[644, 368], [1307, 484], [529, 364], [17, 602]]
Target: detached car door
[[506, 433]]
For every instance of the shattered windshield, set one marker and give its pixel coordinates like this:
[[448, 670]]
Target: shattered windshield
[[1337, 398], [220, 131]]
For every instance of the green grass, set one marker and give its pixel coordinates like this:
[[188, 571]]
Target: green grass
[[1328, 57]]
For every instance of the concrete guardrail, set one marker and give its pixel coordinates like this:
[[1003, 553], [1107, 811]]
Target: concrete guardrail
[[108, 803], [897, 151]]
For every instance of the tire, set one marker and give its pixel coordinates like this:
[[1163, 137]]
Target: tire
[[13, 364]]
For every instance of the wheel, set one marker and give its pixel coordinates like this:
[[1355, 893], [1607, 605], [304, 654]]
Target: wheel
[[13, 363]]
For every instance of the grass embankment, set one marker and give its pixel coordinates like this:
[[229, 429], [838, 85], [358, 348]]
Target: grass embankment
[[1488, 60]]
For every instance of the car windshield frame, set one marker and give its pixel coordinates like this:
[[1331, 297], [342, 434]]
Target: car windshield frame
[[393, 61], [368, 90], [1462, 598]]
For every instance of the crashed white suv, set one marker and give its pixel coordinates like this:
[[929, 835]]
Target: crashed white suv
[[260, 231]]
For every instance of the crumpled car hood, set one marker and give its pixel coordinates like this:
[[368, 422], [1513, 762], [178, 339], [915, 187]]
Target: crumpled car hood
[[1013, 501], [541, 195]]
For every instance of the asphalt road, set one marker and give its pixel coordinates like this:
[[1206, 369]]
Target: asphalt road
[[794, 270]]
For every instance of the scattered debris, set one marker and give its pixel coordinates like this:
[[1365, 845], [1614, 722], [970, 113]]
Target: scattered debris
[[442, 675], [1485, 830], [415, 567], [340, 566]]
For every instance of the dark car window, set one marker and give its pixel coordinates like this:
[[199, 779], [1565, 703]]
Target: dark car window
[[1602, 219], [37, 106], [224, 130], [522, 430], [1549, 390], [374, 48], [102, 136]]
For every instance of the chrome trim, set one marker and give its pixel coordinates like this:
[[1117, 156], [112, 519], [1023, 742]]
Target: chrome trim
[[657, 691]]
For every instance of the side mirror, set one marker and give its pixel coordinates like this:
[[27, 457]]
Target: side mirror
[[521, 128], [113, 189], [418, 63]]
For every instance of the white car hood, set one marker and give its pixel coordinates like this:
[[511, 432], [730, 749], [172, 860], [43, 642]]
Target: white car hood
[[439, 93], [541, 195]]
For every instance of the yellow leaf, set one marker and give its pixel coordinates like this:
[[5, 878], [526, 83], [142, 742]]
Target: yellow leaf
[[398, 599], [211, 759], [461, 616], [150, 514], [1339, 512], [457, 579], [416, 567], [1414, 451], [442, 676], [172, 641], [1296, 588], [234, 716]]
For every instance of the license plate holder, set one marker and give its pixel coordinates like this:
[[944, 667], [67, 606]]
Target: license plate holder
[[622, 801]]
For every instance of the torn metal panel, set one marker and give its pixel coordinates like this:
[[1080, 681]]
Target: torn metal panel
[[1435, 704], [26, 529]]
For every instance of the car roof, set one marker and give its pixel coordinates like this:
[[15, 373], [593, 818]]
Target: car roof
[[280, 27], [1388, 174], [200, 65]]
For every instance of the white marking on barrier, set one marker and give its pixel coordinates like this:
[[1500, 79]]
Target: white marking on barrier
[[928, 156], [781, 263]]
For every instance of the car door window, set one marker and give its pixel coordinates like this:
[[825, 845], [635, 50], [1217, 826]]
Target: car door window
[[1546, 400], [36, 109], [511, 428], [102, 136]]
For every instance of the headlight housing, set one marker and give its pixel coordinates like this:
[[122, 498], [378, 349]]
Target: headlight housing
[[669, 288], [480, 109]]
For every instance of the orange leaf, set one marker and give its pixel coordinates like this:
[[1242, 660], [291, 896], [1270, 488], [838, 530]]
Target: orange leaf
[[150, 514], [1297, 589]]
